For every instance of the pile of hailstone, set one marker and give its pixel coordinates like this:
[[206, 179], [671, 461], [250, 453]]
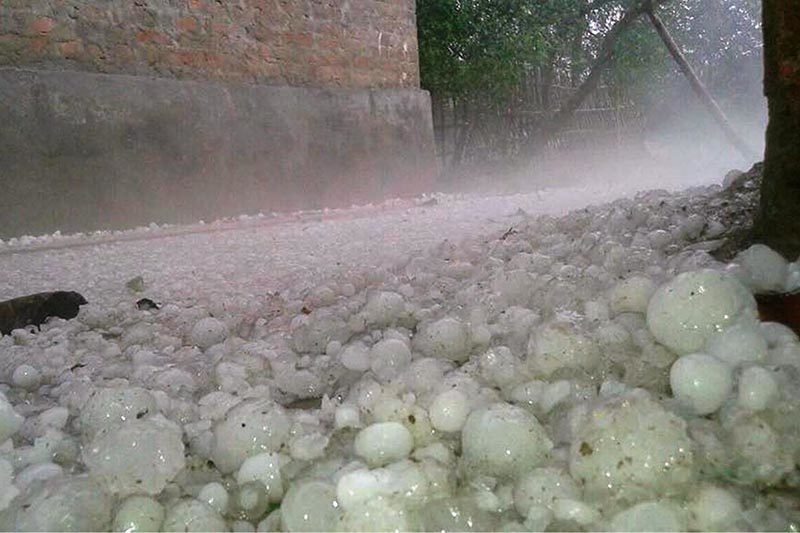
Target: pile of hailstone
[[599, 371]]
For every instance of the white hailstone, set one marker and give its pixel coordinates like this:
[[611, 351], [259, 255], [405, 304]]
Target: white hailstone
[[448, 411], [383, 443], [383, 308], [215, 495], [139, 513], [55, 417], [500, 366], [312, 333], [538, 518], [792, 277], [761, 452], [757, 388], [141, 456], [572, 510], [649, 516], [248, 429], [763, 268], [659, 238], [10, 420], [26, 377], [542, 486], [355, 357], [388, 358], [714, 509], [242, 526], [110, 407], [347, 416], [553, 394], [447, 338], [557, 345], [7, 490], [503, 440], [596, 310], [740, 343], [693, 226], [777, 334], [380, 514], [264, 468], [631, 295], [514, 286], [207, 332], [309, 446], [249, 501], [685, 312], [425, 374], [359, 486], [64, 504], [630, 447], [192, 515], [37, 472], [310, 506], [701, 382], [333, 348]]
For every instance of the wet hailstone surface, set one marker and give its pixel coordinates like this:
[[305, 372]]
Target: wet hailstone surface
[[591, 371]]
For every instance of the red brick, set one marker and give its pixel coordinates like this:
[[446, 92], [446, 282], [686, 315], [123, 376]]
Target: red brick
[[42, 26]]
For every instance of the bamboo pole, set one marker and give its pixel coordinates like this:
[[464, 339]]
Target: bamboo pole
[[698, 87]]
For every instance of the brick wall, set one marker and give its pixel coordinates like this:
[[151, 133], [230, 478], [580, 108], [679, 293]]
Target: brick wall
[[318, 43]]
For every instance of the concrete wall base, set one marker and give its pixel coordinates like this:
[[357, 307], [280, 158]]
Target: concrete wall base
[[81, 151]]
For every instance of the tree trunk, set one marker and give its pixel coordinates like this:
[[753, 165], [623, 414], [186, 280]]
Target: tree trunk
[[778, 223]]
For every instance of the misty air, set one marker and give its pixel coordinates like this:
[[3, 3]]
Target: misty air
[[406, 265]]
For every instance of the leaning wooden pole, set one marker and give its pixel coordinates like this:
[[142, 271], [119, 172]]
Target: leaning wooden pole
[[699, 88]]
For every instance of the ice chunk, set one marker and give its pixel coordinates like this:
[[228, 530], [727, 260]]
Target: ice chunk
[[109, 407], [384, 308], [10, 420], [207, 332], [248, 429], [7, 491], [383, 443], [139, 513], [26, 377], [632, 448], [449, 410], [714, 509], [388, 358], [649, 516], [503, 440], [310, 506], [138, 457], [631, 295], [685, 312], [215, 495], [355, 356], [65, 504], [701, 382], [543, 486], [757, 388], [558, 345], [264, 468], [764, 269], [193, 515], [740, 343], [447, 338]]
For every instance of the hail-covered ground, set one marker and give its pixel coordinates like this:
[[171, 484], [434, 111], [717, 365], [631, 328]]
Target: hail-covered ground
[[461, 363]]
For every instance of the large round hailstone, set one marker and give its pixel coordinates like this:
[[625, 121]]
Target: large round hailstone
[[355, 357], [556, 346], [264, 468], [207, 332], [312, 333], [310, 506], [26, 377], [448, 411], [757, 388], [631, 295], [447, 338], [764, 269], [714, 509], [631, 448], [383, 308], [139, 513], [383, 443], [139, 457], [740, 343], [193, 515], [685, 312], [701, 382], [649, 516], [64, 504], [542, 487], [111, 407], [10, 420], [503, 440], [388, 358], [248, 429]]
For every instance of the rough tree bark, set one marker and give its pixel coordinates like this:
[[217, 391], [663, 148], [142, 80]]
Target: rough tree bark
[[778, 222]]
